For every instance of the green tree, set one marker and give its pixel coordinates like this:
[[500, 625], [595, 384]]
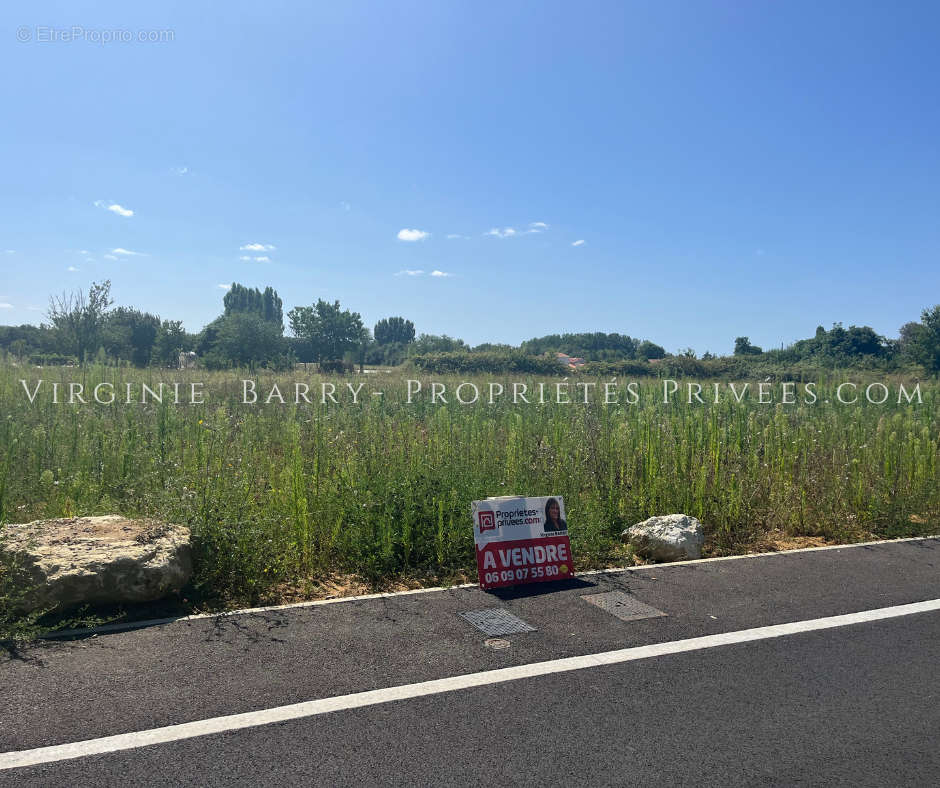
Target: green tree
[[364, 342], [129, 334], [647, 350], [245, 340], [79, 318], [327, 332], [920, 342], [266, 304], [394, 329], [207, 338], [743, 347], [432, 343], [170, 340], [27, 340], [594, 346]]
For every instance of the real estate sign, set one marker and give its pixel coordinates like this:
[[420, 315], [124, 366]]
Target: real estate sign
[[521, 540]]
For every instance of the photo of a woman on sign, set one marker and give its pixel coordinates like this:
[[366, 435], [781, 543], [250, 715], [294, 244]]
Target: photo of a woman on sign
[[553, 521]]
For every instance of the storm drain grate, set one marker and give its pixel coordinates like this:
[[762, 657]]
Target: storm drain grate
[[496, 621], [624, 606]]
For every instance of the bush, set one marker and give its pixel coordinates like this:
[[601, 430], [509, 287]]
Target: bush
[[612, 369], [337, 367], [460, 363], [52, 360]]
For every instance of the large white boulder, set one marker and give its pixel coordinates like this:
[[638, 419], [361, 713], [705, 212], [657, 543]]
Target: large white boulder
[[670, 537], [97, 560]]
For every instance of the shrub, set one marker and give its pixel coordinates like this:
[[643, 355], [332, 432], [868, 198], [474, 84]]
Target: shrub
[[460, 363]]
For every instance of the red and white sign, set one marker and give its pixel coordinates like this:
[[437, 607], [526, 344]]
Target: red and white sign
[[521, 540]]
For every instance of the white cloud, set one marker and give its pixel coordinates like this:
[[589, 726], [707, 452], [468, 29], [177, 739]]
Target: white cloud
[[179, 170], [110, 257], [257, 248], [35, 309], [456, 235], [11, 251], [263, 259], [224, 287], [410, 272], [126, 252], [5, 305], [345, 205], [412, 235], [509, 232], [71, 268], [83, 251], [579, 242], [120, 210], [537, 227], [440, 273], [245, 258]]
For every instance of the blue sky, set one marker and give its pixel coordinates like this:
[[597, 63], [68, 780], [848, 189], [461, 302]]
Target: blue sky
[[732, 168]]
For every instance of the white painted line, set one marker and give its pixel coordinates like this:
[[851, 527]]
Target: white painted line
[[232, 722], [119, 627]]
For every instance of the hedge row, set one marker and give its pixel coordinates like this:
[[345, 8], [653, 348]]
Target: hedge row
[[457, 363], [735, 367]]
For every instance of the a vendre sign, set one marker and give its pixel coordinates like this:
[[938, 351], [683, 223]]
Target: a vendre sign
[[521, 540]]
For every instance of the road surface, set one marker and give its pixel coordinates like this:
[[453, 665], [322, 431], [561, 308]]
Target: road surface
[[402, 690]]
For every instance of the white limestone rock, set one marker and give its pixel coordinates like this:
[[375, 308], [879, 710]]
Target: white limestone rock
[[68, 562], [670, 537]]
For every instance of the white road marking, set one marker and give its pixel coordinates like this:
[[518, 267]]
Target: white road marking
[[232, 722], [123, 626]]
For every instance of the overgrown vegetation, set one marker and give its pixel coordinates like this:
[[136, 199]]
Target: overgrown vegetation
[[278, 494]]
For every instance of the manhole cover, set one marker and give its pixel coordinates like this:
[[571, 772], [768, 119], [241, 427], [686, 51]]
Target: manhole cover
[[497, 644], [624, 606], [496, 621]]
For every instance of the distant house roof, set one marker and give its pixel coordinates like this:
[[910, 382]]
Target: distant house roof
[[570, 361]]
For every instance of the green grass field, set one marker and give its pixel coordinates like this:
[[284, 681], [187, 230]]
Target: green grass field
[[281, 495]]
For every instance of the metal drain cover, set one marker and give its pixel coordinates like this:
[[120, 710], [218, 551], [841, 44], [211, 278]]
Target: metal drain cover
[[624, 606], [496, 621]]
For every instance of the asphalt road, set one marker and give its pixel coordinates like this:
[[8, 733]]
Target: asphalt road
[[854, 704]]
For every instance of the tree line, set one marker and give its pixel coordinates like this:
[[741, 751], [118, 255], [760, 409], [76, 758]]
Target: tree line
[[83, 327], [250, 332]]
